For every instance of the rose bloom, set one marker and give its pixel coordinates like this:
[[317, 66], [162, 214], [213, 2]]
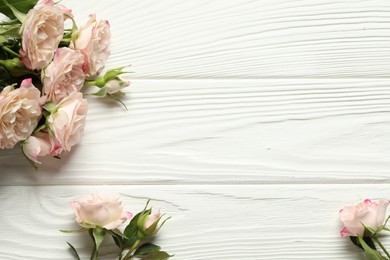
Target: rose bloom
[[370, 213], [43, 30], [93, 40], [68, 122], [40, 144], [20, 112], [64, 75], [100, 211]]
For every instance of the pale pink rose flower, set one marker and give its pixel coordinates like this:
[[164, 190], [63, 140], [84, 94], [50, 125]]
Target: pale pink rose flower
[[68, 122], [93, 40], [42, 31], [20, 112], [63, 75], [100, 211], [370, 213]]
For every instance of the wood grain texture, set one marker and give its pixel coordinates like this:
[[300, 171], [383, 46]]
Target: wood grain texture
[[227, 131], [288, 98], [268, 222], [246, 38]]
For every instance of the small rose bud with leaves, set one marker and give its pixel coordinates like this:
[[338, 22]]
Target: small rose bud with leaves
[[110, 83], [148, 223]]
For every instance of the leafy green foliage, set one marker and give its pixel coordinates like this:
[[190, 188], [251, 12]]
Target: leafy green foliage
[[367, 240], [131, 231], [371, 254], [159, 255], [21, 5], [146, 249]]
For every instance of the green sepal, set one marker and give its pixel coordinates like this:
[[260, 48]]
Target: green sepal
[[147, 249], [101, 93], [369, 231], [19, 14], [113, 73], [98, 235], [74, 251], [159, 255], [371, 254], [50, 107]]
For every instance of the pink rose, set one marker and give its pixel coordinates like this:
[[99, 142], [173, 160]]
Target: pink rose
[[20, 111], [93, 40], [100, 211], [43, 30], [370, 213], [40, 144], [64, 75], [68, 121]]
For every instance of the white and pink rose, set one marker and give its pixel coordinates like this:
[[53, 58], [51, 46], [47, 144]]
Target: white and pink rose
[[42, 32], [63, 75], [20, 112], [93, 40], [100, 211], [370, 213]]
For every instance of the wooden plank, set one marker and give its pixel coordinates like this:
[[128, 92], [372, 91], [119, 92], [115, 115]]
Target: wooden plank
[[246, 38], [227, 131], [208, 222]]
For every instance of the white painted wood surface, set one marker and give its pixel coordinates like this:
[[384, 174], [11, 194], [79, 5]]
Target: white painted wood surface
[[250, 122]]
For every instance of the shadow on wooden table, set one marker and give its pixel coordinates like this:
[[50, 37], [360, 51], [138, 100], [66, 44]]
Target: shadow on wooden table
[[17, 170]]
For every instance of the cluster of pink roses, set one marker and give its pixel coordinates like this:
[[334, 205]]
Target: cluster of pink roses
[[363, 223], [102, 215], [46, 111]]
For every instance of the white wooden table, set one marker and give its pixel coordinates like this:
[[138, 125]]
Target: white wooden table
[[250, 122]]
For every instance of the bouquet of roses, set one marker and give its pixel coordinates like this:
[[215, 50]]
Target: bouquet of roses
[[102, 215], [43, 68]]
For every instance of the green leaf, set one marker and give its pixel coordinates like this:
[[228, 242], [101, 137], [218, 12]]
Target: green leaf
[[73, 230], [22, 6], [371, 254], [118, 241], [147, 249], [160, 255], [98, 235], [10, 31], [131, 231], [74, 251], [368, 240], [18, 14], [118, 237]]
